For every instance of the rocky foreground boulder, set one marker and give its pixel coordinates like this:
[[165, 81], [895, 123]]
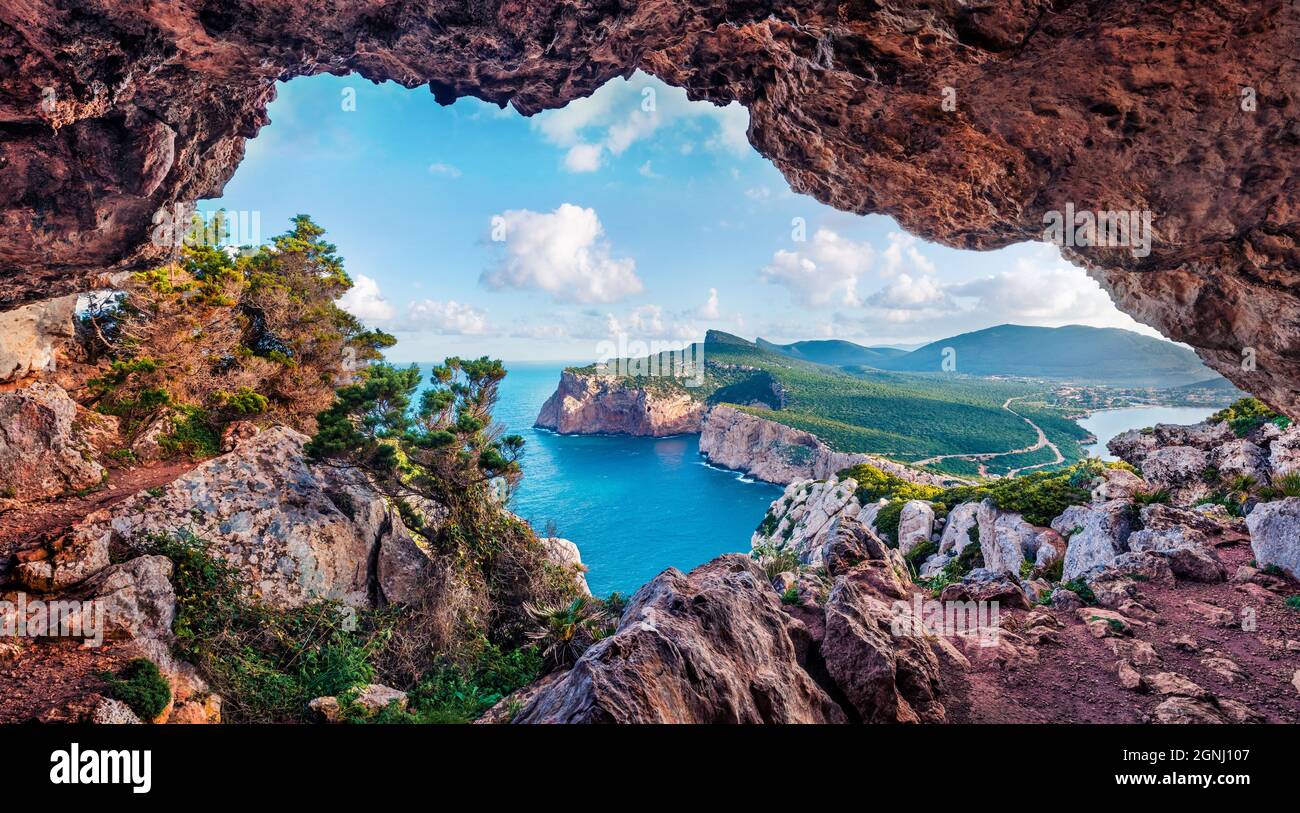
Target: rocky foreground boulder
[[42, 451], [297, 532], [885, 669], [710, 647], [1275, 534], [802, 518], [1095, 534], [718, 645], [1182, 459], [30, 336]]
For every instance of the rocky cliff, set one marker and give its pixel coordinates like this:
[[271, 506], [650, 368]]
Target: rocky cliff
[[292, 532], [592, 405], [782, 454]]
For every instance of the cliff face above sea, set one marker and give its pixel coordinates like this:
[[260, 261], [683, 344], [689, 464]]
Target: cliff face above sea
[[782, 454], [595, 405]]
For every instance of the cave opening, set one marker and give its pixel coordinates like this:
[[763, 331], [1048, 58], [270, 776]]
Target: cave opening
[[633, 211]]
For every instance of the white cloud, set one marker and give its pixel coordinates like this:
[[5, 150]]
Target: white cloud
[[564, 253], [652, 322], [1043, 289], [583, 158], [544, 331], [733, 126], [902, 254], [624, 112], [825, 272], [450, 318], [646, 171], [709, 310], [439, 168], [364, 301], [1040, 289], [906, 292]]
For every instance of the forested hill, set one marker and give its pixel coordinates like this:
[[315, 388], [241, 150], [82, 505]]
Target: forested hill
[[1074, 352], [835, 352]]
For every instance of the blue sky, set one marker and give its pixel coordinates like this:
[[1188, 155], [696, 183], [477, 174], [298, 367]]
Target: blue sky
[[473, 230]]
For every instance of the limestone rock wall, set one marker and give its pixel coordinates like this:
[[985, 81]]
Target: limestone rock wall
[[782, 454], [590, 404]]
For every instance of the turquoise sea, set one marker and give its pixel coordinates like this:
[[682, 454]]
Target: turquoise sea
[[634, 506]]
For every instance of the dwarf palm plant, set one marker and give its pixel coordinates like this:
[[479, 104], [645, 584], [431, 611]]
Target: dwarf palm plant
[[564, 631]]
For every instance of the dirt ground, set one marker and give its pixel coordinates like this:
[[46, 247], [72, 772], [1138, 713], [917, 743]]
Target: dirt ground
[[26, 525], [1076, 681]]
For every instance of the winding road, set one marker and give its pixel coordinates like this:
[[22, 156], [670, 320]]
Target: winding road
[[985, 456]]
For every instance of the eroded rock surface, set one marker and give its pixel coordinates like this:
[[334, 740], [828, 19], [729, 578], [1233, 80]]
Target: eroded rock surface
[[590, 404], [42, 453], [30, 336], [781, 454], [297, 532], [712, 646], [1275, 534]]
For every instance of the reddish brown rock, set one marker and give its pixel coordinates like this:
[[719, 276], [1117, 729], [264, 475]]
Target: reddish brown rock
[[42, 452], [1188, 113], [711, 646], [590, 404], [886, 677]]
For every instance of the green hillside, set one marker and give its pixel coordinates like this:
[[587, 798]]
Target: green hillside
[[835, 352], [906, 416], [1074, 353]]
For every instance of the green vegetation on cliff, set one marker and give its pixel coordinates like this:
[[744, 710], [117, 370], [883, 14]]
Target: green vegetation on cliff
[[1039, 496], [218, 337], [1248, 414]]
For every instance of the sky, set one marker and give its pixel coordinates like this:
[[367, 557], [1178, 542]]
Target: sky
[[472, 230]]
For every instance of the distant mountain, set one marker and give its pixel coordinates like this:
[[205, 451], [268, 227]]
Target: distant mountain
[[834, 352], [1074, 353]]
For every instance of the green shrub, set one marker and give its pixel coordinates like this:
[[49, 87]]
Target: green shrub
[[776, 560], [1081, 589], [971, 557], [265, 663], [1288, 485], [1247, 415], [141, 686], [790, 596], [887, 519], [460, 690], [1233, 507], [192, 434], [1293, 602], [875, 484], [243, 401], [1160, 496], [922, 551], [564, 631]]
